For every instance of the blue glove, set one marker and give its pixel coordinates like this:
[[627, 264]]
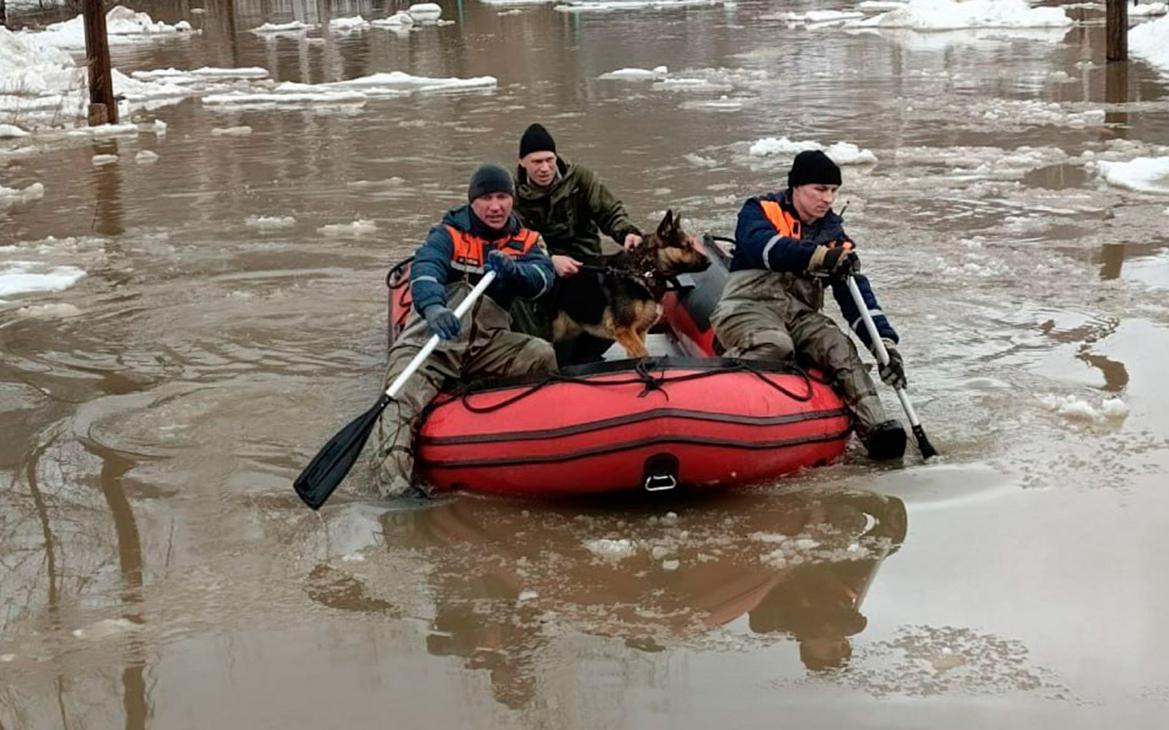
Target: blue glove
[[442, 321], [505, 267]]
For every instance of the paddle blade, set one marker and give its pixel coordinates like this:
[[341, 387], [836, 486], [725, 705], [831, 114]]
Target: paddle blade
[[329, 467], [923, 444]]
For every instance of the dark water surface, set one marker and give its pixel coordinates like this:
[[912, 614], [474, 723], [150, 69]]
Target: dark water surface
[[157, 571]]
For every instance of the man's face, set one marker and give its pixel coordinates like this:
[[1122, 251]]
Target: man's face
[[813, 201], [540, 166], [493, 209]]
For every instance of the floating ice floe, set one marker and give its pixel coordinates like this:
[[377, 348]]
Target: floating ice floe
[[146, 157], [293, 26], [270, 222], [352, 92], [1150, 42], [635, 74], [106, 628], [958, 14], [103, 160], [19, 196], [608, 6], [1143, 174], [356, 229], [204, 74], [842, 153], [516, 2], [610, 548], [123, 25], [816, 18], [26, 277], [425, 12], [349, 24], [400, 19], [240, 131], [1077, 409], [11, 131]]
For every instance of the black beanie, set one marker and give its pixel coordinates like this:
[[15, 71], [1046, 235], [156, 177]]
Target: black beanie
[[490, 179], [813, 167], [536, 139]]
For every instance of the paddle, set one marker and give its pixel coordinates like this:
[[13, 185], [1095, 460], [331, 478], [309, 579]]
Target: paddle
[[923, 443], [329, 467]]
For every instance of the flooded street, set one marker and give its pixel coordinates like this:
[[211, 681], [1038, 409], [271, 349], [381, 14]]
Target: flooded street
[[220, 312]]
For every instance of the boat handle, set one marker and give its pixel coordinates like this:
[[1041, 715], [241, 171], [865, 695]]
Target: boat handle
[[660, 482]]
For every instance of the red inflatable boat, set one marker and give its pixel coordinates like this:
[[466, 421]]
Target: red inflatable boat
[[656, 424]]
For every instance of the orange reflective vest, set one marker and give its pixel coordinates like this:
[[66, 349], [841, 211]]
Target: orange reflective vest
[[470, 251], [786, 224]]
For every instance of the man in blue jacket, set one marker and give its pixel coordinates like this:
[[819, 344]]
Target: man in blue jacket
[[472, 239], [790, 246]]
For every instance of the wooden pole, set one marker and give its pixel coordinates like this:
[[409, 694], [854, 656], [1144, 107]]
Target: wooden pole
[[1116, 28], [103, 109], [3, 14]]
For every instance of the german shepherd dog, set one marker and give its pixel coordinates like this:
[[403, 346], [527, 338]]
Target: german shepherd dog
[[618, 296]]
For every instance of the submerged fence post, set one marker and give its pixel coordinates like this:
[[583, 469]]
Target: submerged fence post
[[103, 109], [1116, 28]]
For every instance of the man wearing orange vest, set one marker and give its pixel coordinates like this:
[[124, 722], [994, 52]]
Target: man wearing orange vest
[[481, 236], [789, 247]]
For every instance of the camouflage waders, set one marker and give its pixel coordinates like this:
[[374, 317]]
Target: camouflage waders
[[758, 318], [486, 347]]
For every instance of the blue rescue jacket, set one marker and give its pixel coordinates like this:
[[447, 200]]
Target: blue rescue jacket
[[456, 250], [788, 248]]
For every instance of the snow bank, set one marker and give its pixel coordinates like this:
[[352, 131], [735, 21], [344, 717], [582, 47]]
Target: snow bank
[[36, 78], [1144, 174], [842, 153], [1147, 9], [122, 26], [956, 14], [1150, 42], [11, 131], [24, 277]]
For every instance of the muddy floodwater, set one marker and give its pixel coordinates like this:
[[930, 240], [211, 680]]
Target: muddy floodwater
[[157, 570]]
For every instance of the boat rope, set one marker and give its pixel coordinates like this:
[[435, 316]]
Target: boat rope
[[641, 374]]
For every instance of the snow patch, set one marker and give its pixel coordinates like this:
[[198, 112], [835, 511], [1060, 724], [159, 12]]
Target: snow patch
[[123, 26], [11, 131], [1150, 42]]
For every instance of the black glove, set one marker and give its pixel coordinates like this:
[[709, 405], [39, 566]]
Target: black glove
[[505, 267], [828, 235], [894, 373], [840, 262], [442, 321]]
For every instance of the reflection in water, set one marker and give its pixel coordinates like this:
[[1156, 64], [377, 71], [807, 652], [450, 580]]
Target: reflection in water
[[1116, 92], [505, 575], [107, 192]]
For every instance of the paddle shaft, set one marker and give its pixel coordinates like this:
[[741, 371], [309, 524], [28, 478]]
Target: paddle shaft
[[463, 308], [329, 467], [883, 358]]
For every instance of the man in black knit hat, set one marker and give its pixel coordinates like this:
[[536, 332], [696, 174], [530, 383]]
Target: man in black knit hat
[[471, 239], [789, 247], [571, 208]]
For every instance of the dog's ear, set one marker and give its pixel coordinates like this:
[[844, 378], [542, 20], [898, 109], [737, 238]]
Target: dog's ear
[[666, 227]]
